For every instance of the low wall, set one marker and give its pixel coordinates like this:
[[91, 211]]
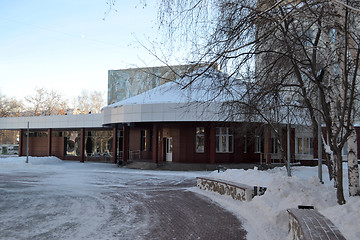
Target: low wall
[[308, 224], [237, 191]]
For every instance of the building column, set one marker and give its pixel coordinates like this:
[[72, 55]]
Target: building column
[[155, 145], [82, 145], [125, 143], [212, 143], [267, 147], [114, 143], [21, 137], [49, 141]]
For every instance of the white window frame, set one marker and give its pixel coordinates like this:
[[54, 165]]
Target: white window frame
[[257, 142], [307, 146], [227, 137], [274, 146], [200, 134]]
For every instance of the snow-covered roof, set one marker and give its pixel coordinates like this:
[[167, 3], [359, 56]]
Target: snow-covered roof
[[207, 87], [177, 101]]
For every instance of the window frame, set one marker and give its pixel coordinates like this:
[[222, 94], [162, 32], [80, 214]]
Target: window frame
[[257, 144], [245, 143], [227, 137], [274, 146], [304, 146], [199, 139]]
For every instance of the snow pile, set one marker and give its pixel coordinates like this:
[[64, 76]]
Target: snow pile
[[265, 217], [34, 162]]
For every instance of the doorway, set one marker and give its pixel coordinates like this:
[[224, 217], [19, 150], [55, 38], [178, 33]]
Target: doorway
[[168, 149]]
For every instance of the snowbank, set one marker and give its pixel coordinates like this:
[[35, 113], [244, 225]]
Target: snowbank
[[265, 217], [34, 162]]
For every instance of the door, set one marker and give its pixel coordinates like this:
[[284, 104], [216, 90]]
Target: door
[[168, 149]]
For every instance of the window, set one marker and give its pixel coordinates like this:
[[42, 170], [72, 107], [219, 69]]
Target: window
[[72, 143], [304, 145], [224, 140], [344, 150], [257, 144], [332, 35], [143, 140], [200, 140], [98, 143], [274, 145], [120, 136]]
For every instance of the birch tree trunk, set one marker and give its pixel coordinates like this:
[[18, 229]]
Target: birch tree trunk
[[339, 179], [353, 168]]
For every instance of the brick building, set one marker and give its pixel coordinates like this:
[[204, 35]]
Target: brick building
[[162, 124]]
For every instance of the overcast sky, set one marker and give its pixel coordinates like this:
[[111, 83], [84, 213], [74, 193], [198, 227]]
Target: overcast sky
[[67, 46]]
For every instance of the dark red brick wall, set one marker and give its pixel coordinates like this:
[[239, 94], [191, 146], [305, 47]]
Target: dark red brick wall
[[57, 147]]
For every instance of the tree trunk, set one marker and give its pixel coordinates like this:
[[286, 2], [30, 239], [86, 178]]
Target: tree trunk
[[353, 168], [339, 178]]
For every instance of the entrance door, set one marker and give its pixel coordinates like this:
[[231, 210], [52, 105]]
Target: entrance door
[[168, 149]]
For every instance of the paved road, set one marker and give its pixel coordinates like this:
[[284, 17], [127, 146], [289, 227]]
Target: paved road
[[116, 204]]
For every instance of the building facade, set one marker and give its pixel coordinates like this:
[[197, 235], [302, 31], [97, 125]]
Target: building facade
[[162, 124]]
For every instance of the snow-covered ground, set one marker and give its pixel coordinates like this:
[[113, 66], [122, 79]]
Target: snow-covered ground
[[265, 217], [53, 199], [50, 198]]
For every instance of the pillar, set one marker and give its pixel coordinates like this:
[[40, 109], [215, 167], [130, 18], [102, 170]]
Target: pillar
[[267, 145], [21, 137], [82, 145], [212, 143], [125, 143], [114, 143], [49, 141], [155, 145]]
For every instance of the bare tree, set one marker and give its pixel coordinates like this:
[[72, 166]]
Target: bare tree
[[46, 102], [90, 102], [10, 107], [97, 101], [308, 49]]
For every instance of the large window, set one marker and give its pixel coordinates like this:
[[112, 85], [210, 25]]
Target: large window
[[98, 143], [72, 143], [224, 140], [200, 140], [305, 145]]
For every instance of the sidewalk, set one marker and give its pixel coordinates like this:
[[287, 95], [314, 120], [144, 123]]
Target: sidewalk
[[180, 214], [173, 166]]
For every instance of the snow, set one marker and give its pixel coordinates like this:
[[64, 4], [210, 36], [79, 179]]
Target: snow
[[82, 208], [53, 199], [265, 217]]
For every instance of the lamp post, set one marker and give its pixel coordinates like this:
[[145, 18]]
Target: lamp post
[[287, 100], [319, 79], [27, 143]]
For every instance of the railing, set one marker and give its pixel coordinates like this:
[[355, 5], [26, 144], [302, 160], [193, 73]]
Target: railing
[[132, 154], [275, 158]]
